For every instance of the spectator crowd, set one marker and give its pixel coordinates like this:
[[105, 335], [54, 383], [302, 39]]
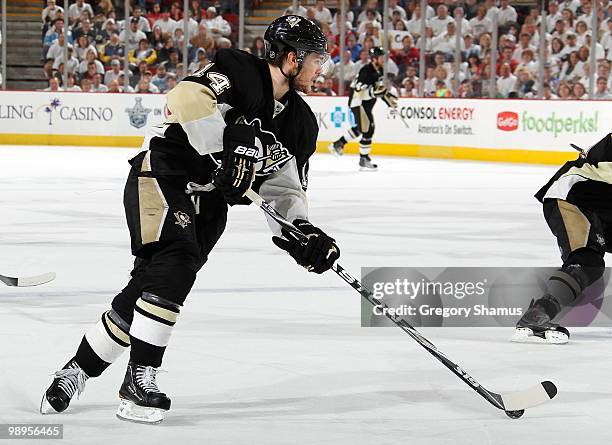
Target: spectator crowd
[[98, 42], [91, 55]]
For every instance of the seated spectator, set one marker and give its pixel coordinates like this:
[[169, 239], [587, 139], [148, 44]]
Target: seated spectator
[[446, 42], [547, 92], [108, 29], [96, 84], [113, 73], [85, 29], [408, 88], [200, 62], [53, 34], [143, 23], [160, 80], [192, 25], [105, 7], [322, 14], [527, 61], [414, 24], [258, 48], [203, 40], [57, 48], [90, 59], [167, 24], [172, 81], [466, 90], [85, 85], [143, 53], [440, 21], [82, 48], [125, 88], [601, 89], [474, 67], [163, 54], [217, 26], [506, 82], [470, 47], [155, 14], [51, 12], [71, 66], [371, 32], [371, 19], [481, 23], [133, 37], [173, 62], [176, 13], [299, 10], [367, 6], [54, 85], [114, 87], [459, 15], [113, 50], [579, 91], [442, 90], [572, 68], [76, 10], [524, 83], [348, 66], [146, 81], [71, 85], [407, 55], [157, 39]]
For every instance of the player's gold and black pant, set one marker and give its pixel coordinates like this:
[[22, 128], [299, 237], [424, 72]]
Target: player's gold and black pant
[[582, 235], [364, 125], [171, 243]]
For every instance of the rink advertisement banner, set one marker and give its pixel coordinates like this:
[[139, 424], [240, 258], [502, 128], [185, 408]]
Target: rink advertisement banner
[[474, 297], [510, 130], [100, 119], [497, 130]]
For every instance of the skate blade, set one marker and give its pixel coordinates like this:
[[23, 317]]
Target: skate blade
[[368, 169], [131, 412], [526, 335], [333, 150], [45, 406]]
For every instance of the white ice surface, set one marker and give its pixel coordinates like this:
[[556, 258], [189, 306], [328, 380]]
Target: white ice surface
[[265, 353]]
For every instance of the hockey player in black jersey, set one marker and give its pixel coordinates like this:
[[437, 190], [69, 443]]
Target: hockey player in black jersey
[[239, 123], [578, 210], [364, 90]]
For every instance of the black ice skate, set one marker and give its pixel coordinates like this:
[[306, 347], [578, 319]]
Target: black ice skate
[[68, 380], [141, 399], [535, 325], [336, 148], [366, 164]]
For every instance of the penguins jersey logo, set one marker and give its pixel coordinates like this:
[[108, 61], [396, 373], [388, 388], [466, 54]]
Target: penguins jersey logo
[[271, 153]]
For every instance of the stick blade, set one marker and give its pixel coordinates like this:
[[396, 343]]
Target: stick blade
[[36, 280], [534, 396]]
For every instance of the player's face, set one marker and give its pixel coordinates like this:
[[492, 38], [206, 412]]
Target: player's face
[[378, 61], [311, 69]]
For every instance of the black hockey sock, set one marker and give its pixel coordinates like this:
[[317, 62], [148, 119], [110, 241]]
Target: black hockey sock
[[89, 361]]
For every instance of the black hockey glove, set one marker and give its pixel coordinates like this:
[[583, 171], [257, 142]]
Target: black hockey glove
[[237, 171], [390, 99], [317, 255]]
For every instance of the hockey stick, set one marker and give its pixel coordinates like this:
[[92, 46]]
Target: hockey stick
[[36, 280], [512, 403]]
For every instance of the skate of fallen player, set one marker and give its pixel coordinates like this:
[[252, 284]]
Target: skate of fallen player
[[578, 210]]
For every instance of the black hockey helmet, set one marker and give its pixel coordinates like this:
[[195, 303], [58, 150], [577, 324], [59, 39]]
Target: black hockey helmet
[[376, 51], [292, 32]]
